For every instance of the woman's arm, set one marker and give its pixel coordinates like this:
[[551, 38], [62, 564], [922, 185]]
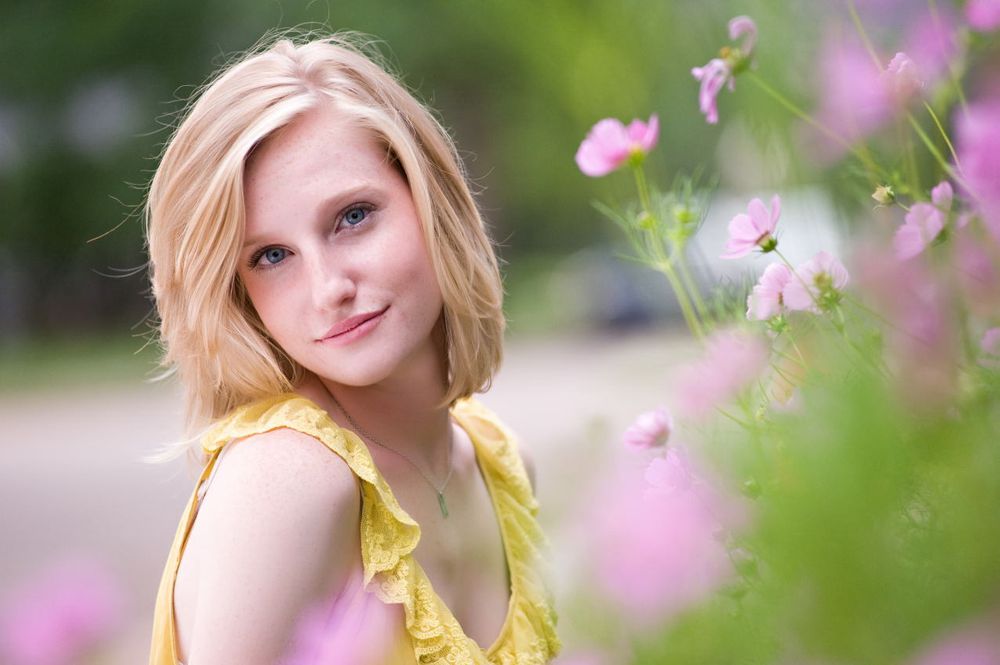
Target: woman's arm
[[280, 526]]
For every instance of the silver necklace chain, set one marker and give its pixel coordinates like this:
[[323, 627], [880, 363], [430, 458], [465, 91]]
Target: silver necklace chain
[[451, 445]]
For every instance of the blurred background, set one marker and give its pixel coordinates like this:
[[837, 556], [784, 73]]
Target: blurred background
[[90, 91]]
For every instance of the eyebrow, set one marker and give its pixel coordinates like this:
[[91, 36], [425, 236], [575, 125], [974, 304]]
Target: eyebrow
[[324, 209]]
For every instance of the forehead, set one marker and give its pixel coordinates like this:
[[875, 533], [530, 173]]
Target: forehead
[[321, 152]]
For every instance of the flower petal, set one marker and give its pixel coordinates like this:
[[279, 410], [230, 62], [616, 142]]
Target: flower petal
[[605, 148], [643, 136], [761, 218], [983, 15], [775, 212], [923, 223], [796, 297], [742, 237], [592, 161], [744, 25], [942, 195], [712, 76]]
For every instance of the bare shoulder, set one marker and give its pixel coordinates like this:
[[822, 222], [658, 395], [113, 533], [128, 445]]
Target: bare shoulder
[[280, 523], [283, 458]]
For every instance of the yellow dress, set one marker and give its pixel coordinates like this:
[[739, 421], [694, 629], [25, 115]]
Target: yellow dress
[[389, 536]]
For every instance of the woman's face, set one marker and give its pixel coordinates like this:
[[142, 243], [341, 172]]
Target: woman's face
[[333, 256]]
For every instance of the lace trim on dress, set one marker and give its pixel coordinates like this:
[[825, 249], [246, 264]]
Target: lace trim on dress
[[389, 535]]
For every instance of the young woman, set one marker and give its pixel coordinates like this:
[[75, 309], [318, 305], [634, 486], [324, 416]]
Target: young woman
[[330, 301]]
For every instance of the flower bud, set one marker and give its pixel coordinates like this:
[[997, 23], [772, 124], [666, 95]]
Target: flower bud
[[884, 195]]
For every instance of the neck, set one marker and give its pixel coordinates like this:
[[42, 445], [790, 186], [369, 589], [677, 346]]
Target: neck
[[401, 412]]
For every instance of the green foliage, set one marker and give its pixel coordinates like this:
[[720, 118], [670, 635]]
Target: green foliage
[[518, 82], [872, 528]]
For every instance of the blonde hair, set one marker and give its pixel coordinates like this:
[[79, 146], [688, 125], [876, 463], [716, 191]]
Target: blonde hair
[[210, 334]]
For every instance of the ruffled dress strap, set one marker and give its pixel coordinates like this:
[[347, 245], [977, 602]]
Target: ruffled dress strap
[[530, 637]]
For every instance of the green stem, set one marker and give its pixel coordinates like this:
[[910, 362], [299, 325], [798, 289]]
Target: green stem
[[935, 152], [663, 263], [790, 358], [781, 373], [795, 346], [953, 78], [689, 316], [860, 27], [735, 419], [699, 304], [788, 263], [862, 155], [640, 184], [916, 126], [867, 310], [944, 135], [875, 315], [911, 160]]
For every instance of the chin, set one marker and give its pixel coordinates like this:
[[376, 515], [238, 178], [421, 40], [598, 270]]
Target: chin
[[353, 374]]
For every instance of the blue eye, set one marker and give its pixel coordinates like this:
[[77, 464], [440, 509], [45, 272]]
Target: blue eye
[[274, 255], [355, 216], [268, 257]]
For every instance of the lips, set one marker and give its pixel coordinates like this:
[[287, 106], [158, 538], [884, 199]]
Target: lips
[[352, 323]]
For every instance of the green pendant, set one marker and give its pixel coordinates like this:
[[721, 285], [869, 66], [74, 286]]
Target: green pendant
[[444, 508]]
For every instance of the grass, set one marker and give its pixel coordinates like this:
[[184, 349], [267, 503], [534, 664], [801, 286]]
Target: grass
[[528, 297], [42, 363]]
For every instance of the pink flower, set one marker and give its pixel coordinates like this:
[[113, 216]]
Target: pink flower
[[931, 43], [976, 262], [921, 339], [983, 15], [743, 26], [975, 643], [732, 361], [990, 346], [651, 429], [609, 144], [584, 658], [857, 96], [853, 100], [712, 76], [62, 615], [942, 195], [902, 78], [816, 284], [924, 222], [756, 229], [978, 146], [723, 70], [766, 300], [349, 630], [656, 544]]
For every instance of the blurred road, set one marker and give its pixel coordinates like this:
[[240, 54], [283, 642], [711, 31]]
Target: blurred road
[[72, 479]]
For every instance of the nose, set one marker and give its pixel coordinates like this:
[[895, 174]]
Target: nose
[[330, 281]]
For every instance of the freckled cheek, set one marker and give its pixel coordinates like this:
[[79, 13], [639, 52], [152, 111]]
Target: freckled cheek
[[276, 308], [410, 263], [422, 284]]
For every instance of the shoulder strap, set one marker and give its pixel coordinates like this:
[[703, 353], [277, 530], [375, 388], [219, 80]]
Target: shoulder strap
[[530, 564], [500, 448]]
